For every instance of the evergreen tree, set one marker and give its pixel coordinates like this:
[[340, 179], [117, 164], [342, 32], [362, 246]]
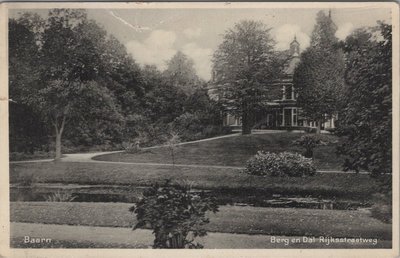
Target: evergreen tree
[[319, 77]]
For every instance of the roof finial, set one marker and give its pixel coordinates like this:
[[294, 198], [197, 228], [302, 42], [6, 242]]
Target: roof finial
[[294, 36], [329, 13]]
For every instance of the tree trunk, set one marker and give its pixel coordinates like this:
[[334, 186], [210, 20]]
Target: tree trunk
[[309, 153], [176, 241], [58, 146], [59, 132], [318, 126], [246, 125]]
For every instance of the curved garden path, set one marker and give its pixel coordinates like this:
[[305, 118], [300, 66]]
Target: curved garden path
[[88, 157]]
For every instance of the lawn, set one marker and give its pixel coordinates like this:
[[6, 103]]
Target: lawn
[[350, 185], [18, 242], [230, 219], [231, 151]]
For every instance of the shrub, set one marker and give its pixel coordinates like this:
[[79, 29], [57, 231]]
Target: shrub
[[331, 130], [27, 179], [310, 141], [214, 130], [172, 144], [60, 197], [131, 147], [18, 156], [382, 208], [280, 164], [310, 129], [175, 214], [188, 126]]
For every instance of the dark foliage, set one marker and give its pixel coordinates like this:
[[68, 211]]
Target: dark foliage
[[319, 76], [176, 215], [77, 88], [243, 66], [366, 120]]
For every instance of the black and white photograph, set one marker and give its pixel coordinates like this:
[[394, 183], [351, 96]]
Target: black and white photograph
[[202, 126]]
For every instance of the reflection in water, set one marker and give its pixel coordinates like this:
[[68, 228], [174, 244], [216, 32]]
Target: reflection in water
[[129, 194]]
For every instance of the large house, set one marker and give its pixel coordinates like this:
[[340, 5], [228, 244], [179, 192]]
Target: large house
[[282, 111]]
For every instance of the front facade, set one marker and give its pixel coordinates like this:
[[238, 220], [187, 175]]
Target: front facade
[[282, 111]]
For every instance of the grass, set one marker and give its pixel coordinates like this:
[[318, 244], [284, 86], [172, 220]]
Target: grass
[[333, 185], [231, 151], [17, 156], [230, 219]]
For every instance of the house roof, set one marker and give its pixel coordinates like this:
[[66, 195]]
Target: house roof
[[291, 65]]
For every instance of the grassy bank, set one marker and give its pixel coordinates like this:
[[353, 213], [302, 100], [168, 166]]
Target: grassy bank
[[231, 151], [340, 185], [230, 219], [69, 236]]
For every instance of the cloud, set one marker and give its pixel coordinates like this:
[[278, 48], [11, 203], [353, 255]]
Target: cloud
[[154, 50], [159, 47], [192, 33], [284, 35], [135, 27], [344, 30], [201, 58]]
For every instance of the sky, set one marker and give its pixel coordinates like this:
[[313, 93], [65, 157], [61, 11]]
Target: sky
[[153, 36]]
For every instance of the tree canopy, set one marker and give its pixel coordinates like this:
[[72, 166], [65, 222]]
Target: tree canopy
[[67, 88], [243, 67], [180, 73], [319, 76], [78, 85], [366, 119]]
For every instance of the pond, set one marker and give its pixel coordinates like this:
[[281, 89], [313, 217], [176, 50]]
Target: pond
[[131, 194]]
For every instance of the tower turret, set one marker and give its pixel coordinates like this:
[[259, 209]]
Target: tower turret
[[294, 47]]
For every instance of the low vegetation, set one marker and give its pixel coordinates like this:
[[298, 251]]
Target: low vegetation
[[175, 214], [233, 151], [280, 164], [229, 219], [347, 185], [60, 197], [310, 141]]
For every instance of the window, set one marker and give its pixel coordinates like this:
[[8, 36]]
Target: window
[[288, 92]]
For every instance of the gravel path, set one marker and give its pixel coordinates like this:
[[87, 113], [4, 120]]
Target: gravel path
[[88, 157]]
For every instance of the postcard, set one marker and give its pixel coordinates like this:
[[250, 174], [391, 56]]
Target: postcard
[[199, 129]]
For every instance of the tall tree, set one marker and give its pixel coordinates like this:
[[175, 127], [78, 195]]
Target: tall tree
[[180, 73], [242, 68], [69, 90], [27, 130], [366, 119], [122, 75], [319, 77]]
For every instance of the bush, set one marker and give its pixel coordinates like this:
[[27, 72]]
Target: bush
[[136, 145], [310, 129], [280, 164], [310, 141], [27, 179], [214, 130], [60, 197], [188, 126], [331, 130], [382, 208], [175, 214], [18, 156]]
